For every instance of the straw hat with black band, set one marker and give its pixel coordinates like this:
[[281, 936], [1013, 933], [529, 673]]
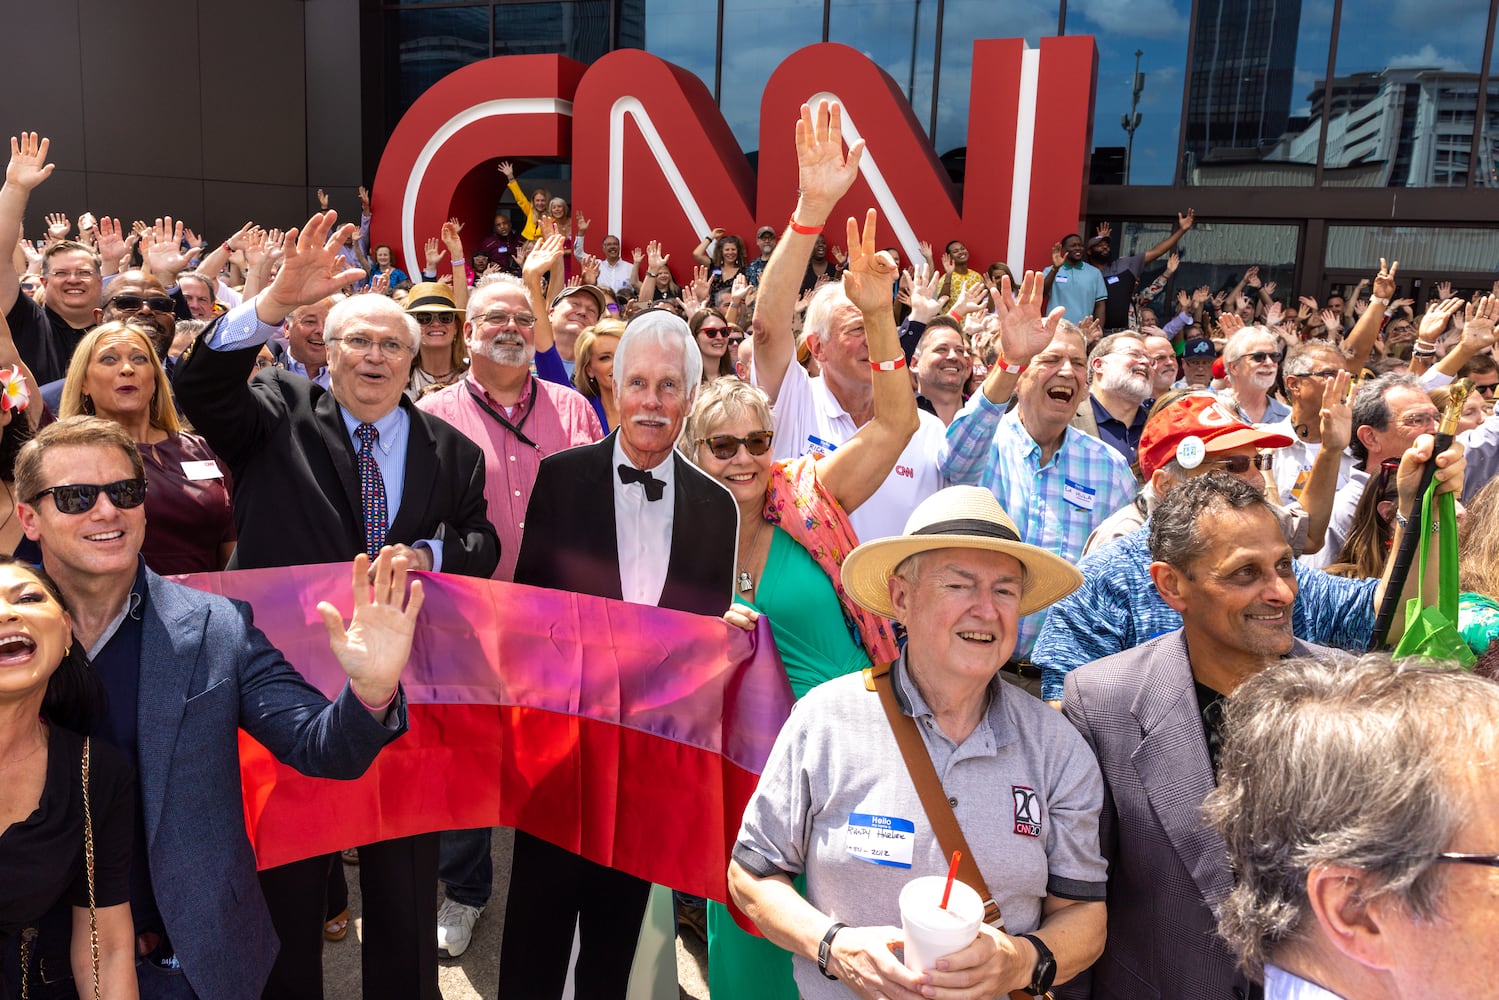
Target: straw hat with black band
[[959, 517], [431, 296]]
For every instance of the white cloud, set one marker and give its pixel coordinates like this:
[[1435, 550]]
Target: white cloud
[[1139, 18], [1426, 55]]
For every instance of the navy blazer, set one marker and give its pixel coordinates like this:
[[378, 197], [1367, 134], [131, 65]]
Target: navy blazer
[[1168, 869], [296, 480], [206, 671]]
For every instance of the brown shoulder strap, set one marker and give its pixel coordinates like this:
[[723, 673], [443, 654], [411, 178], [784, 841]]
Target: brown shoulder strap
[[929, 787]]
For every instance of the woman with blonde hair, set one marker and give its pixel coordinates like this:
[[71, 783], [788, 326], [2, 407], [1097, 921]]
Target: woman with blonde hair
[[593, 372], [115, 374]]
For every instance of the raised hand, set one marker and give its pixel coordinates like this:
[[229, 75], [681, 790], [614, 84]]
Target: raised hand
[[1333, 320], [1478, 332], [110, 241], [824, 173], [926, 305], [451, 240], [1173, 261], [507, 170], [637, 255], [312, 267], [718, 233], [804, 300], [740, 289], [1057, 257], [1201, 296], [58, 227], [379, 284], [700, 283], [28, 165], [972, 299], [33, 255], [1444, 289], [1025, 332], [374, 647], [1252, 277], [1308, 306], [322, 199], [871, 273], [539, 261], [1229, 324], [1268, 288], [434, 253], [1187, 221], [164, 250], [364, 199], [1090, 328], [692, 302], [255, 248], [1274, 312], [589, 265], [654, 256], [1438, 314], [925, 249], [838, 255], [583, 223], [1183, 302], [947, 263], [1104, 229], [1384, 281]]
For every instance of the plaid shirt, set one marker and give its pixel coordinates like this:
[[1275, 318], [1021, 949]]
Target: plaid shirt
[[1118, 608], [1056, 506]]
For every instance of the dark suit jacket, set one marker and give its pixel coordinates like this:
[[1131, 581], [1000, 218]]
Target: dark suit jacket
[[1167, 868], [570, 541], [296, 485], [206, 671]]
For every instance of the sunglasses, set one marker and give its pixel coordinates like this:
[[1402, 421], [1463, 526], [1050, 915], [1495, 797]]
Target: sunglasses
[[714, 331], [1260, 357], [1486, 390], [133, 303], [79, 498], [1237, 465], [726, 446], [428, 318]]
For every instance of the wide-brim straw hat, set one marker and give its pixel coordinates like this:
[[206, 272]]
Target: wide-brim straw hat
[[959, 517], [431, 296]]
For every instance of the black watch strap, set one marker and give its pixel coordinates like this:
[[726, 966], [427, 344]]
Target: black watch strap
[[825, 949], [1045, 972]]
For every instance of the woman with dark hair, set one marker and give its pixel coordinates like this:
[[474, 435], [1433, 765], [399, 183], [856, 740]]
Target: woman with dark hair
[[729, 258], [711, 332], [1367, 547], [382, 261], [66, 803]]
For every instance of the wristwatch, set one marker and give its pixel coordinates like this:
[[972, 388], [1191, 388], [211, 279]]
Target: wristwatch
[[825, 949], [1045, 972]]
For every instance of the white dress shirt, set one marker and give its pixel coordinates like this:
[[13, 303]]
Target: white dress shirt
[[1283, 985], [642, 530]]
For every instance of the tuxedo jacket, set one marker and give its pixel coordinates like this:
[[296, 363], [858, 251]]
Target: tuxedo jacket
[[1168, 868], [296, 480], [570, 541], [206, 672]]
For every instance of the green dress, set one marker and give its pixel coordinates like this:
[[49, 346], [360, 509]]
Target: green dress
[[807, 622]]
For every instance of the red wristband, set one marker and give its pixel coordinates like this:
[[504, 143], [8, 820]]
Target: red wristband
[[1006, 367], [889, 366], [797, 227], [377, 708]]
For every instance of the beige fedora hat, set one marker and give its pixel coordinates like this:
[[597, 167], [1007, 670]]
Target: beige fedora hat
[[959, 517]]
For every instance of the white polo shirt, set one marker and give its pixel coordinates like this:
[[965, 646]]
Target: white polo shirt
[[808, 420]]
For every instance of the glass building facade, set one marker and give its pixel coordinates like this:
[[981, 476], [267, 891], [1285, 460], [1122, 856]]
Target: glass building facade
[[1307, 134]]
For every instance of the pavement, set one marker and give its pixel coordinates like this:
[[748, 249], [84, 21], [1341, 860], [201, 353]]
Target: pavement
[[476, 974]]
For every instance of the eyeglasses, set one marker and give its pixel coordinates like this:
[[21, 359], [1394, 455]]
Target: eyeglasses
[[726, 446], [1237, 465], [1486, 390], [82, 275], [1260, 357], [1419, 418], [265, 363], [1320, 373], [132, 303], [440, 318], [1456, 858], [79, 498], [389, 349], [500, 317], [714, 331]]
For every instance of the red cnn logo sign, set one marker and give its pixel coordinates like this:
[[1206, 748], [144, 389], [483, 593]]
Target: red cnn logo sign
[[653, 158]]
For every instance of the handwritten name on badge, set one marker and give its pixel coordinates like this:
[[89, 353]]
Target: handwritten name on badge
[[883, 840], [1078, 495]]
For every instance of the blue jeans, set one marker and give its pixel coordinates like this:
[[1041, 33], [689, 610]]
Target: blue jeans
[[157, 983], [465, 866]]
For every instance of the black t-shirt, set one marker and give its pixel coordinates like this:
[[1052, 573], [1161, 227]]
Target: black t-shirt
[[42, 859], [44, 339]]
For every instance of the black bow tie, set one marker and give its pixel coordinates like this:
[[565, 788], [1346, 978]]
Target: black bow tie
[[654, 487]]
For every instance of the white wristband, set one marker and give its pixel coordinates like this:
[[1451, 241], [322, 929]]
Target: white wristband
[[1380, 299]]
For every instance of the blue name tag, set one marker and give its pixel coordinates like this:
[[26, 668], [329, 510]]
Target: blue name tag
[[817, 446], [1112, 279], [1078, 495], [881, 840]]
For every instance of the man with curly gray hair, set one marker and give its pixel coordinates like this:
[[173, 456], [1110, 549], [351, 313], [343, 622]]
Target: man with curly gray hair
[[1357, 800]]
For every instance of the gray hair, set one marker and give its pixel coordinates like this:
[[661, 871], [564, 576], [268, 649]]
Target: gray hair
[[1176, 537], [664, 329], [820, 310], [724, 398], [1353, 762], [1234, 349], [1105, 345], [1371, 410], [498, 278], [371, 307], [1301, 358]]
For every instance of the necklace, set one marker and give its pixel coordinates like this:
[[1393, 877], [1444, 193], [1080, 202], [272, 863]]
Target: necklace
[[747, 582]]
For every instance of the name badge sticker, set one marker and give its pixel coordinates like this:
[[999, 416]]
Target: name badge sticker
[[817, 446], [1112, 279], [1061, 279], [1079, 496], [882, 840], [206, 469]]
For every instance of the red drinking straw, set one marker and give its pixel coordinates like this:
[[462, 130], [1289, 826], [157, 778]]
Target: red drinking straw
[[952, 873]]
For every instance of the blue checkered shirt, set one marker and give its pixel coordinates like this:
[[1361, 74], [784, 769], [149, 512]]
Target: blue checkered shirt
[[1118, 608], [1055, 507]]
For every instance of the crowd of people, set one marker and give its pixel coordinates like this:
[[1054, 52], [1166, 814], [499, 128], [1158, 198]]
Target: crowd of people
[[1116, 544]]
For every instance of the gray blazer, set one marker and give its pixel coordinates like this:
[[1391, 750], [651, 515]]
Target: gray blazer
[[1167, 868], [205, 672]]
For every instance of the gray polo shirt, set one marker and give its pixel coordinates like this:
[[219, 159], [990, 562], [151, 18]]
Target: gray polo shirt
[[835, 802]]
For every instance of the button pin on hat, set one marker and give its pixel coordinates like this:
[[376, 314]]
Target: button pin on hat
[[1190, 452]]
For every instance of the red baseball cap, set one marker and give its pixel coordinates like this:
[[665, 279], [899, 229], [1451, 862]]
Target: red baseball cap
[[1200, 418]]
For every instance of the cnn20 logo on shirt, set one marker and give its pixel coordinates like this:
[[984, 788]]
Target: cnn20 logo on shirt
[[1027, 811]]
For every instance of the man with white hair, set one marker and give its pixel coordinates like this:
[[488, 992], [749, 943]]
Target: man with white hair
[[1119, 401], [320, 475], [630, 519], [818, 415], [1252, 359], [1360, 882]]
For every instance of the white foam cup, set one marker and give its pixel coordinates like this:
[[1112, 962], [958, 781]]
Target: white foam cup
[[932, 932]]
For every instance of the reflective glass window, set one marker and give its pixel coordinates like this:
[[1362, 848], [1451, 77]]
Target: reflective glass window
[[1255, 80], [578, 30], [1158, 30], [427, 45], [1443, 252], [757, 36], [897, 35], [1213, 254], [962, 22], [683, 32], [1405, 95]]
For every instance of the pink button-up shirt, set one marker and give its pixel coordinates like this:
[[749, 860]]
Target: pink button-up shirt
[[554, 417]]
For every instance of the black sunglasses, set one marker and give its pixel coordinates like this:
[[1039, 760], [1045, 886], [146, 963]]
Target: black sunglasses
[[427, 318], [1260, 357], [726, 446], [1485, 390], [79, 498], [132, 303], [1239, 464]]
